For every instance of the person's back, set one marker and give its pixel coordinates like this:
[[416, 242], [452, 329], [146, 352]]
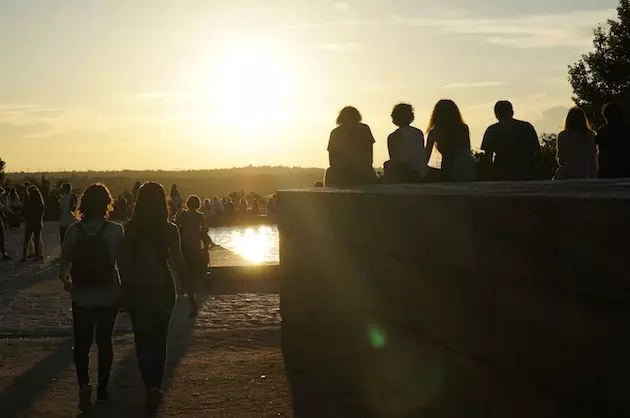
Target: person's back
[[515, 146], [577, 155], [190, 225], [613, 142], [406, 145], [33, 211]]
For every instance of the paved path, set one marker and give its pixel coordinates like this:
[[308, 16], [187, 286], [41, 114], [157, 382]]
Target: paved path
[[226, 363]]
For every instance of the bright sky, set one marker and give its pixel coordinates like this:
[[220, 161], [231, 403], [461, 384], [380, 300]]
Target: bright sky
[[189, 84]]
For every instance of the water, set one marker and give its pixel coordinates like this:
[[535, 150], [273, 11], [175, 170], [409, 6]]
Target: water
[[256, 244]]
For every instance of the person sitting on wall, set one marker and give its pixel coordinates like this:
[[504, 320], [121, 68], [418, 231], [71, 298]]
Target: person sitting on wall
[[350, 151], [407, 156]]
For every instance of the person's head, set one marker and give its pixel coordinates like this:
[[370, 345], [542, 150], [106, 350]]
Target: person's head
[[206, 202], [349, 115], [95, 203], [445, 114], [151, 209], [66, 188], [33, 194], [503, 110], [193, 203], [318, 183], [402, 114], [27, 184], [576, 120], [613, 113]]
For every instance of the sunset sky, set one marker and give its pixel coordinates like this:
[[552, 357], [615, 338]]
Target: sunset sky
[[164, 84]]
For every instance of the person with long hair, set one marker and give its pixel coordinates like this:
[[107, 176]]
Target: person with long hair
[[407, 155], [350, 151], [150, 242], [33, 214], [89, 263], [613, 143], [448, 133], [576, 150], [196, 243], [4, 211]]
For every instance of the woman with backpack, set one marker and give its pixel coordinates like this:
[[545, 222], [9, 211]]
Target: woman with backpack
[[150, 241], [33, 213], [194, 232], [91, 252]]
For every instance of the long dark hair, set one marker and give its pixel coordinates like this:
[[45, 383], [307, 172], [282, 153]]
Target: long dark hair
[[150, 215], [445, 115], [576, 121]]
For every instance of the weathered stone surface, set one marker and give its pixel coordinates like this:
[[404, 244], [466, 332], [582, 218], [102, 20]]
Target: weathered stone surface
[[486, 300]]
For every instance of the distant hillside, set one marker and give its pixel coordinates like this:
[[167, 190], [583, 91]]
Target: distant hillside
[[206, 183]]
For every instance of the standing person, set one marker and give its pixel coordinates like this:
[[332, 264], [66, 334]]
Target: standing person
[[195, 248], [33, 213], [576, 150], [613, 142], [350, 151], [91, 253], [407, 155], [176, 199], [150, 240], [451, 136], [4, 211], [511, 146], [15, 206], [67, 207]]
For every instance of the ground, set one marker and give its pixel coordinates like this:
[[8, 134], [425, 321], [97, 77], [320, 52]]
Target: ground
[[227, 363]]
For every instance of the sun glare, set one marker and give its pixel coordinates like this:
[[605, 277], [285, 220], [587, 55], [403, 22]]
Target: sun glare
[[247, 84]]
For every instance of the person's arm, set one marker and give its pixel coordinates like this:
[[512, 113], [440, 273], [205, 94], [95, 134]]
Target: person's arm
[[65, 261], [561, 149], [332, 153], [119, 245], [430, 145], [207, 241], [535, 143], [371, 141], [487, 146], [175, 251]]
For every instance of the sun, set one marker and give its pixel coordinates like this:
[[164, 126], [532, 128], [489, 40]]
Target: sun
[[248, 84]]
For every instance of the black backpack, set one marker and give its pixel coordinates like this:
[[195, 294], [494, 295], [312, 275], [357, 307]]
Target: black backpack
[[92, 265]]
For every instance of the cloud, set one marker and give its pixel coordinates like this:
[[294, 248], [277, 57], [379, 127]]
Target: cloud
[[552, 119], [481, 84], [9, 130], [570, 29]]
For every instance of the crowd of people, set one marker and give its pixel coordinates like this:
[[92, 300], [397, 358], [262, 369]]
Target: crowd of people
[[510, 147]]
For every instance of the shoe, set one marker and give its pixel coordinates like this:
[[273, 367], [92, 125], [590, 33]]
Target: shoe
[[102, 395], [154, 398], [85, 398]]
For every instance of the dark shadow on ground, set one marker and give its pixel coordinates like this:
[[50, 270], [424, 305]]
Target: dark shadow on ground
[[126, 387], [29, 385]]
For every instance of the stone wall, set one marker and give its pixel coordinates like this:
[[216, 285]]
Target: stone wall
[[479, 300]]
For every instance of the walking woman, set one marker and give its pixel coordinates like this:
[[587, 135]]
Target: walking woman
[[90, 254], [195, 248], [150, 241], [350, 151], [450, 135], [577, 152], [33, 213]]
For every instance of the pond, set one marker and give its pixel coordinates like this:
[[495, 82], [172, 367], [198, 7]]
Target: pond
[[255, 244]]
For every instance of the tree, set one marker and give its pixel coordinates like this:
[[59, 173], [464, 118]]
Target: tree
[[603, 75], [548, 162]]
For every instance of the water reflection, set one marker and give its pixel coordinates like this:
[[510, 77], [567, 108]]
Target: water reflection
[[257, 245]]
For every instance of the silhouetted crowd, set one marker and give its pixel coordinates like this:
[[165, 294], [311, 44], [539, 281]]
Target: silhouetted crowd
[[511, 149]]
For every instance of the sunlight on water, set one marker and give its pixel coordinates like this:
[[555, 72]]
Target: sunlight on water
[[257, 245]]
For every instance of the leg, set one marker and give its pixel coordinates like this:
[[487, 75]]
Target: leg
[[62, 234], [37, 239], [28, 233], [141, 321], [3, 250], [83, 327], [105, 321], [162, 321], [192, 257]]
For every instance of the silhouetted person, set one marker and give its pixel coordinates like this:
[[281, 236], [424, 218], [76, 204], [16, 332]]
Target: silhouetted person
[[318, 184], [150, 240], [243, 205], [67, 207], [613, 142], [451, 136], [255, 207], [407, 154], [176, 199], [4, 211], [33, 213], [195, 248], [350, 151], [576, 150], [511, 146], [90, 256]]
